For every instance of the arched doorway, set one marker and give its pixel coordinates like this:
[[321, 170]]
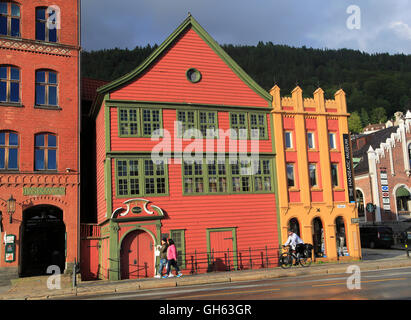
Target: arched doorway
[[43, 240], [359, 196], [137, 255], [294, 225], [341, 237], [318, 238]]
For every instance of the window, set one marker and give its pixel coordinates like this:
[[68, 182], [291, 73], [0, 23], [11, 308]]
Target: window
[[46, 88], [193, 179], [288, 140], [9, 19], [151, 121], [311, 140], [359, 197], [138, 177], [46, 24], [332, 141], [334, 174], [262, 176], [178, 237], [258, 126], [253, 125], [205, 121], [45, 152], [9, 148], [9, 84], [241, 182], [128, 122], [312, 171], [239, 123], [290, 175], [217, 176]]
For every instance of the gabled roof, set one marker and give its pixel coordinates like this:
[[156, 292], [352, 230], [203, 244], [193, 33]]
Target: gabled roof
[[189, 22], [89, 88]]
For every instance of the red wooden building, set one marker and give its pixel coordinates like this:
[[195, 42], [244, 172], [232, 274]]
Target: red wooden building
[[39, 134], [220, 217]]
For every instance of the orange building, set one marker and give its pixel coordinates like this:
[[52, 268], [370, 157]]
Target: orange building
[[315, 181]]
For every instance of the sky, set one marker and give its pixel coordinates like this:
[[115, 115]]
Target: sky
[[373, 26]]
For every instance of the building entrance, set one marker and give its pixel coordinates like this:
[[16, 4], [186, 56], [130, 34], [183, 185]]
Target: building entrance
[[43, 240]]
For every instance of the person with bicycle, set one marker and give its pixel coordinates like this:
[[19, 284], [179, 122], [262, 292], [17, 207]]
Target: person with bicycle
[[293, 241]]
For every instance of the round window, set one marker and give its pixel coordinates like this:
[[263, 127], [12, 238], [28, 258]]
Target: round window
[[193, 75]]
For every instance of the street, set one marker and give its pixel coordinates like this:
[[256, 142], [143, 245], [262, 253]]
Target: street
[[393, 284]]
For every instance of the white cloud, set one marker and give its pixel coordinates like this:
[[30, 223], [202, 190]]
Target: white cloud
[[401, 29]]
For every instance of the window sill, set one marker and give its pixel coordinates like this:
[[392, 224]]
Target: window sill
[[11, 104], [47, 107], [338, 189], [293, 189], [316, 189]]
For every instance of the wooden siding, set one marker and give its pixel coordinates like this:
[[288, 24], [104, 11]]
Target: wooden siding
[[166, 80], [169, 117], [100, 158], [254, 215]]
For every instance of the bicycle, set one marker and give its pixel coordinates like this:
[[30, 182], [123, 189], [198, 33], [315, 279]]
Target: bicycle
[[287, 258]]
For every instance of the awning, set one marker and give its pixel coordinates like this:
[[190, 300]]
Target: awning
[[402, 192]]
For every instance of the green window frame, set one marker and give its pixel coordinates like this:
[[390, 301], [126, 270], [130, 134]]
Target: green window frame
[[262, 180], [140, 177], [258, 122], [239, 121], [139, 121], [201, 120], [193, 177], [179, 240], [217, 176], [240, 181]]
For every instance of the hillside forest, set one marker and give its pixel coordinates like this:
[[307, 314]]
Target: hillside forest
[[376, 85]]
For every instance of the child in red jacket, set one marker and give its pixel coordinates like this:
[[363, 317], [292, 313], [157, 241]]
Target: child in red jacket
[[172, 260]]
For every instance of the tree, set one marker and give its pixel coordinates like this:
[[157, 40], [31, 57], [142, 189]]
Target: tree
[[354, 123]]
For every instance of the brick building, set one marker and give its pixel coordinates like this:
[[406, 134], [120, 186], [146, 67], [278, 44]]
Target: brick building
[[39, 134], [382, 172]]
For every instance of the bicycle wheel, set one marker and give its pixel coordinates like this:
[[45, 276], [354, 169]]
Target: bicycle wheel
[[285, 261], [305, 262]]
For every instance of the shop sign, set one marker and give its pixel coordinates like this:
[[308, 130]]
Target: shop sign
[[10, 248], [348, 167], [44, 191]]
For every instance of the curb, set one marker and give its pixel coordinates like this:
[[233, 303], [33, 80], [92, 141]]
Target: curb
[[209, 279]]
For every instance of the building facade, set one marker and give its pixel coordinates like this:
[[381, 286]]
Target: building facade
[[382, 172], [316, 190], [215, 126], [39, 134]]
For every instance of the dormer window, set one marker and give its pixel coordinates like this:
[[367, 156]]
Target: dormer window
[[9, 19]]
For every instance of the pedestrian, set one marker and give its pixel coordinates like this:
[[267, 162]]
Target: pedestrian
[[163, 258], [172, 259]]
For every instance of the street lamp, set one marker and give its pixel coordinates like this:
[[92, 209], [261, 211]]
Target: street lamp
[[11, 207]]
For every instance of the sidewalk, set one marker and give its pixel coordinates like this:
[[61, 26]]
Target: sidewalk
[[36, 287]]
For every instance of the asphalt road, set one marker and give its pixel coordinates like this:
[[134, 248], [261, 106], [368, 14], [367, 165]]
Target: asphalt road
[[393, 284]]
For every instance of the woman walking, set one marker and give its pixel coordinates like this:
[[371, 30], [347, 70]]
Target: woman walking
[[172, 260]]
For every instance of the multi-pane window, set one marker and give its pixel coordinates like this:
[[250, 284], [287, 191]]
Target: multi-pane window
[[310, 140], [45, 152], [204, 121], [208, 123], [262, 175], [241, 180], [9, 84], [290, 175], [239, 123], [46, 88], [154, 177], [9, 19], [312, 172], [288, 135], [332, 141], [193, 177], [253, 125], [217, 176], [46, 24], [178, 237], [151, 121], [9, 148], [258, 126], [334, 174], [137, 177], [128, 122]]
